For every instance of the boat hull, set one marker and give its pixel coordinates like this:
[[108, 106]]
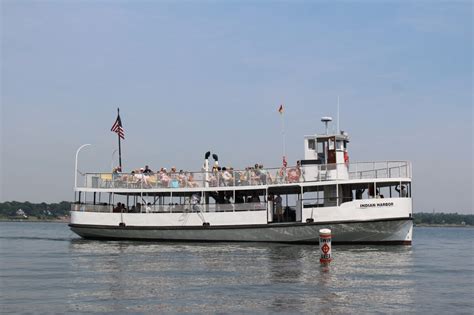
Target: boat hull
[[385, 231]]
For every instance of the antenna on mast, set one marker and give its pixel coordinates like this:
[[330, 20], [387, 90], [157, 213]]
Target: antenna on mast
[[338, 130]]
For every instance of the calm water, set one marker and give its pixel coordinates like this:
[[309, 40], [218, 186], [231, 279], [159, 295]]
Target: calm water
[[45, 268]]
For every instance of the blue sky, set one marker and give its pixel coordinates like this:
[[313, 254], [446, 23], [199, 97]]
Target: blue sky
[[198, 75]]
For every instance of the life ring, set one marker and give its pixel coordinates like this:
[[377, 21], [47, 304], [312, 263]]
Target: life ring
[[346, 158]]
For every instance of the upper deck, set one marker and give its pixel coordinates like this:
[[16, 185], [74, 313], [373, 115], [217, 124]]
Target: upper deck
[[255, 178]]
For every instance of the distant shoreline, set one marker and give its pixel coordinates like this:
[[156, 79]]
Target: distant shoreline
[[443, 225], [67, 221], [34, 220]]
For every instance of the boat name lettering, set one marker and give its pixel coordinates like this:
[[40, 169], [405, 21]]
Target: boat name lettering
[[378, 204]]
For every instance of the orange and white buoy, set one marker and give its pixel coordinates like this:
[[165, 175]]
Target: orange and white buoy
[[325, 246]]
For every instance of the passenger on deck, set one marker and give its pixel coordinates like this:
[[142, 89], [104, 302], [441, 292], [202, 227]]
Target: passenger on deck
[[281, 175], [371, 191], [117, 170], [378, 195], [300, 171], [122, 208], [182, 178], [118, 208], [117, 174], [174, 177], [278, 208], [255, 198], [141, 178], [147, 171], [214, 176], [293, 175], [263, 174], [190, 180], [244, 177], [148, 208], [226, 177], [402, 192], [359, 193], [195, 200], [164, 178], [255, 175]]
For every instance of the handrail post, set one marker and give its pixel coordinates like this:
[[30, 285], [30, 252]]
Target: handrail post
[[77, 154]]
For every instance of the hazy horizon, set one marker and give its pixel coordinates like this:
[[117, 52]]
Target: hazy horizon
[[196, 76]]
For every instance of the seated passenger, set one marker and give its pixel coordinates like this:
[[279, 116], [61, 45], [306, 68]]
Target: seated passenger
[[262, 173], [255, 198], [293, 175], [141, 178], [281, 175], [118, 208], [300, 171], [182, 179], [164, 178], [117, 176], [254, 176], [190, 180], [122, 208], [226, 177], [244, 177]]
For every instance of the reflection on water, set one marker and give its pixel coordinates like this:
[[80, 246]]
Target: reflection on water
[[236, 277], [44, 268]]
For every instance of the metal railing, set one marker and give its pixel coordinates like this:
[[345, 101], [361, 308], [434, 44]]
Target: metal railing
[[385, 169], [249, 177], [176, 208]]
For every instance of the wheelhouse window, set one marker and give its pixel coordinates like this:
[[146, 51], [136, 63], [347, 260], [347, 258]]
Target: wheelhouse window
[[340, 145], [331, 144]]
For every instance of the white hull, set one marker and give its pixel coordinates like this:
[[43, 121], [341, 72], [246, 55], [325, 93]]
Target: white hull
[[394, 231], [387, 221]]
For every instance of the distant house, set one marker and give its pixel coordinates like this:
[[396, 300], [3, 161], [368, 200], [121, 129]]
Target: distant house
[[21, 213]]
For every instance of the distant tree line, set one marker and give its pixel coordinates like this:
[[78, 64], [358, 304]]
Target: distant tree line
[[443, 218], [9, 209]]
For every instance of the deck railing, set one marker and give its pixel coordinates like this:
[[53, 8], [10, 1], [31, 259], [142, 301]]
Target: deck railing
[[249, 177], [178, 208]]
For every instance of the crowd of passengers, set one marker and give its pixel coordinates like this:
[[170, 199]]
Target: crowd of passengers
[[220, 198], [217, 176]]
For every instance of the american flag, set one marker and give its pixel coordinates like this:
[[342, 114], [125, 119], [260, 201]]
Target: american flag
[[117, 128]]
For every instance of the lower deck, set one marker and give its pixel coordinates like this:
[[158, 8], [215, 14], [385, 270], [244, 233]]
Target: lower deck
[[394, 231]]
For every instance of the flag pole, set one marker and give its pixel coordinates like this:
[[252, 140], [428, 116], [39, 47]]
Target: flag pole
[[119, 146], [281, 110], [283, 134]]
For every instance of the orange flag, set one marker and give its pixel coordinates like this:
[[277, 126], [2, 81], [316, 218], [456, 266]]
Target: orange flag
[[280, 109]]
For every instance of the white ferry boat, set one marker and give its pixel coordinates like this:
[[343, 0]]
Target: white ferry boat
[[362, 202]]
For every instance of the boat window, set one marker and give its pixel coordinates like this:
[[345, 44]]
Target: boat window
[[320, 147], [340, 145], [311, 144], [331, 144]]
